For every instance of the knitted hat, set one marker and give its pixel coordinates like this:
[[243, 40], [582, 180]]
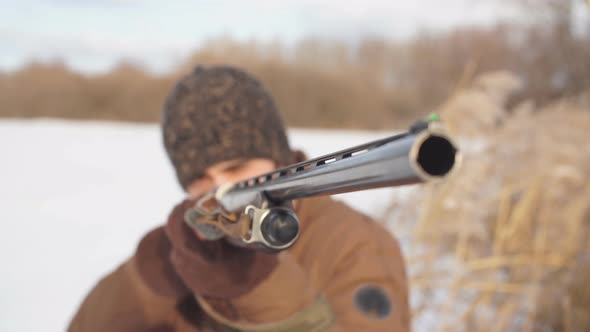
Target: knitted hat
[[217, 114]]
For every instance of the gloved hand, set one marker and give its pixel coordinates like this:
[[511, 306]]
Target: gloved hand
[[237, 283], [214, 268]]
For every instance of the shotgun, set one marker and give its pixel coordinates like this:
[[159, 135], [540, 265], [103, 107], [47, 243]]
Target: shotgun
[[257, 213]]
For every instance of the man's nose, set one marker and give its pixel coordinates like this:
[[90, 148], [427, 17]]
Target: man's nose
[[219, 179]]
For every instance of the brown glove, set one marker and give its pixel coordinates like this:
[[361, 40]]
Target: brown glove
[[214, 268]]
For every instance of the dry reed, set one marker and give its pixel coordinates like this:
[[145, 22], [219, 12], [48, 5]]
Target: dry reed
[[507, 237]]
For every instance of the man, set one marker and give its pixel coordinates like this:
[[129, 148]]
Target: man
[[345, 273]]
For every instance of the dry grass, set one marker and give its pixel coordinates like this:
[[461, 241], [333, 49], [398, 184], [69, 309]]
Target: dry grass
[[309, 95], [504, 244], [40, 90], [372, 83]]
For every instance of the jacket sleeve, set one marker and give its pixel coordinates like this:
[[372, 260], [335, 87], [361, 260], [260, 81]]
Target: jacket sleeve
[[123, 301], [366, 290], [369, 291], [285, 292], [112, 305]]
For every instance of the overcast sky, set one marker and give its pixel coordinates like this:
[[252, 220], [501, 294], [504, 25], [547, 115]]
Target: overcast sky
[[92, 35]]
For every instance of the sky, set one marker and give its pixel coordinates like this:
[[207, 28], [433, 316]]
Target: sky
[[93, 35]]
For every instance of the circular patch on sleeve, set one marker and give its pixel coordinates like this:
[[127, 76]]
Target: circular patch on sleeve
[[373, 301]]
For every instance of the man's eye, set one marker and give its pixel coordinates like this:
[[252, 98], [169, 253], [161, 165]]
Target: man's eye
[[234, 168]]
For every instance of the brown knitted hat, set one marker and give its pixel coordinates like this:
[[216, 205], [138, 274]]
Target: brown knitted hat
[[217, 114]]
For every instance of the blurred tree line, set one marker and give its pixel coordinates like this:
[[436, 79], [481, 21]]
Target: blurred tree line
[[373, 83]]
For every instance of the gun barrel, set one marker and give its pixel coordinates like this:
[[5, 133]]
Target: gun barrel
[[407, 158]]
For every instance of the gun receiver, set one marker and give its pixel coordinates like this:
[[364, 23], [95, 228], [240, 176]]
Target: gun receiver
[[256, 213]]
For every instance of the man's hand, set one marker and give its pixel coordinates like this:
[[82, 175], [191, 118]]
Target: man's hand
[[214, 268]]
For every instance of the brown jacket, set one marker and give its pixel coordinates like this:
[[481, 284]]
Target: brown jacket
[[341, 254]]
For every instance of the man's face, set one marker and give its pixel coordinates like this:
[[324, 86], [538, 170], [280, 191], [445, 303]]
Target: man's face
[[229, 171]]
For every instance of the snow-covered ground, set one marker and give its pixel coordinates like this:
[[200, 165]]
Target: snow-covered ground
[[76, 197]]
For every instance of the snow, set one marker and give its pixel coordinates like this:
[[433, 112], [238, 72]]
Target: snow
[[76, 197]]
